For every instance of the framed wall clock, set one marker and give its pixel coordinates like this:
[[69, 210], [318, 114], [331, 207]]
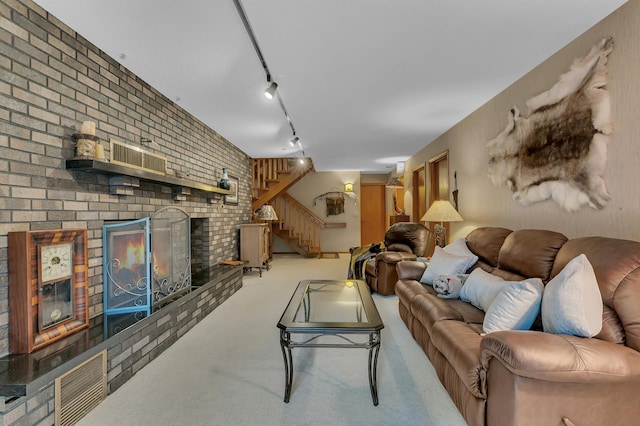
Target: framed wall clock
[[48, 287]]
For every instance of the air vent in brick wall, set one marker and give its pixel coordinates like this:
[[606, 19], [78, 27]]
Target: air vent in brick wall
[[138, 158]]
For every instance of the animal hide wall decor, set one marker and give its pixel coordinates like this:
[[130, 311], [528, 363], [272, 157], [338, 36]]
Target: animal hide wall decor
[[559, 151]]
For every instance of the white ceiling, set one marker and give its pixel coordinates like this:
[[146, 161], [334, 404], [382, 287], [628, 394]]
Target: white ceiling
[[366, 83]]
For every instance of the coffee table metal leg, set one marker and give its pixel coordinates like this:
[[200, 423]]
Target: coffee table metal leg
[[374, 348], [288, 364]]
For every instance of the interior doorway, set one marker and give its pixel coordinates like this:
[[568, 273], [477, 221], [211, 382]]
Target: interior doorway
[[372, 213], [439, 183], [419, 193]]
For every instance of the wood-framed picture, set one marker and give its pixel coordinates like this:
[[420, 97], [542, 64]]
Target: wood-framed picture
[[233, 187]]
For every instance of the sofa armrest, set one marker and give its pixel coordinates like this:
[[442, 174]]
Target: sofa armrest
[[410, 270], [560, 358], [393, 257]]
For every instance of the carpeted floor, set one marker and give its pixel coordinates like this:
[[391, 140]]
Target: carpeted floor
[[228, 370]]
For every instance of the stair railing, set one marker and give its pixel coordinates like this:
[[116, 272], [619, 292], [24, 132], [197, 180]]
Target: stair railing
[[299, 222]]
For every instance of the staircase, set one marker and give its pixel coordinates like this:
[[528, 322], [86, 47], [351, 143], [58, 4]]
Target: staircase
[[297, 226], [273, 176]]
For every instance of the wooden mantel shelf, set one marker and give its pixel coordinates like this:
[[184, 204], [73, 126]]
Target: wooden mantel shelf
[[103, 167]]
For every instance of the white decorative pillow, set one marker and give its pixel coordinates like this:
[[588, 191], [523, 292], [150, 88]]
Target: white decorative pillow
[[481, 288], [572, 303], [515, 307], [459, 248], [444, 263]]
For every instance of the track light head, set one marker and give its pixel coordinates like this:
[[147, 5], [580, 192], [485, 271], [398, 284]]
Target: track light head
[[294, 142], [270, 92]]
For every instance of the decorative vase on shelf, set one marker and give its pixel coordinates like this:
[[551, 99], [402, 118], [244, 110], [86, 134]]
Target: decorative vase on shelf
[[224, 182]]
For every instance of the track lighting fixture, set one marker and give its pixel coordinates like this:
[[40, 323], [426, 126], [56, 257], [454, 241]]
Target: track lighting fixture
[[270, 92]]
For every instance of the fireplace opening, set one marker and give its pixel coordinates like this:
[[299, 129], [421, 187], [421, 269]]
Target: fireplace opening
[[199, 244]]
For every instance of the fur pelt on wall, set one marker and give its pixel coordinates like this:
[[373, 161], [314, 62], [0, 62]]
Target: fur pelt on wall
[[559, 151]]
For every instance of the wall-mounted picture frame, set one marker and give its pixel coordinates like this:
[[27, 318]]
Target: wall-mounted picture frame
[[233, 187]]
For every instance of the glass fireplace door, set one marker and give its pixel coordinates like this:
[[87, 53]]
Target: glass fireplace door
[[127, 267]]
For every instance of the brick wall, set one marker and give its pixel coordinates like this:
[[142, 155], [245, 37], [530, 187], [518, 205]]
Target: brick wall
[[51, 80], [133, 348]]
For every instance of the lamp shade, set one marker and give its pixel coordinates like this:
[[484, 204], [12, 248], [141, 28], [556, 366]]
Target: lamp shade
[[442, 211], [394, 183], [266, 212]]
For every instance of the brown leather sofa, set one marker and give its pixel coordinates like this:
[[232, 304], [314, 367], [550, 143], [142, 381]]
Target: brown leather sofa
[[402, 241], [532, 377]]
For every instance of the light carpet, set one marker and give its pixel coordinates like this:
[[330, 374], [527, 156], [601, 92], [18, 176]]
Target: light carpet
[[228, 369]]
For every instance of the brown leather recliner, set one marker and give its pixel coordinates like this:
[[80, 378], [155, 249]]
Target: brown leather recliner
[[402, 241]]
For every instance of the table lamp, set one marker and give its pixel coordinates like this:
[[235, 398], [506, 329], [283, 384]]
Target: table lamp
[[441, 211], [266, 212]]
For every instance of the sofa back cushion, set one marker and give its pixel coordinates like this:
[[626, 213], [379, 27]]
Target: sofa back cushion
[[485, 243], [530, 253], [407, 236], [616, 264]]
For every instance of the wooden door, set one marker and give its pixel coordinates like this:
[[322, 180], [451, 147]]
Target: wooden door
[[372, 213], [419, 184]]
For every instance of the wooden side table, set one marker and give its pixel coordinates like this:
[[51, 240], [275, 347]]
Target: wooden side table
[[254, 245], [398, 218]]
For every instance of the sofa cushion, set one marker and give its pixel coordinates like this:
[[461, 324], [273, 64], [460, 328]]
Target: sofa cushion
[[530, 252], [485, 242], [406, 290], [428, 309], [481, 288], [445, 263], [515, 307], [572, 303]]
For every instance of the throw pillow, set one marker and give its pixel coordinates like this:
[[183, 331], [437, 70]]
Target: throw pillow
[[459, 248], [444, 263], [572, 303], [481, 288], [515, 307]]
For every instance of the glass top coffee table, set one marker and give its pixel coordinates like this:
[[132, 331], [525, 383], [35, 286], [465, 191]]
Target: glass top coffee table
[[331, 314]]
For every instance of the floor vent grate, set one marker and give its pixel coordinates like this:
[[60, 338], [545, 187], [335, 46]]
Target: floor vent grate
[[80, 390]]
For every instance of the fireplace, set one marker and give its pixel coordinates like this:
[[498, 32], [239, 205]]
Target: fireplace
[[147, 263]]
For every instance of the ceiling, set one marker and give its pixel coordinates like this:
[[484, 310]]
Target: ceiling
[[366, 83]]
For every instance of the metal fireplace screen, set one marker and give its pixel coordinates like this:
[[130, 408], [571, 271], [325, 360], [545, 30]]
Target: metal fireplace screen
[[171, 255], [147, 262]]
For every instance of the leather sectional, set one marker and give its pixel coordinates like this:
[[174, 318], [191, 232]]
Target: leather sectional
[[532, 377]]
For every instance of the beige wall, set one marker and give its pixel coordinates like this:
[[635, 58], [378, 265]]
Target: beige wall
[[315, 184], [482, 204]]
